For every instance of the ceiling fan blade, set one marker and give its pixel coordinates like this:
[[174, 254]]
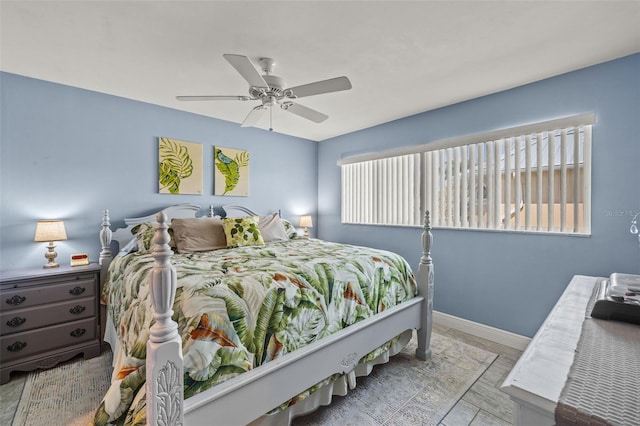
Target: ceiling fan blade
[[319, 87], [245, 67], [213, 98], [254, 116], [304, 112]]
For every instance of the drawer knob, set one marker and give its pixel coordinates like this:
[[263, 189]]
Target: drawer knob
[[78, 332], [78, 309], [77, 291], [16, 300], [16, 346], [16, 322]]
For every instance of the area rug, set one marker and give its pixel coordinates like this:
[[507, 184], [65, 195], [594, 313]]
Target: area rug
[[66, 395], [405, 391]]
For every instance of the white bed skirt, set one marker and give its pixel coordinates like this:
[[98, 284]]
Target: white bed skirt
[[322, 396]]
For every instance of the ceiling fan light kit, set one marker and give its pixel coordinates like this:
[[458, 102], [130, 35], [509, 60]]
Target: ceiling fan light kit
[[272, 90]]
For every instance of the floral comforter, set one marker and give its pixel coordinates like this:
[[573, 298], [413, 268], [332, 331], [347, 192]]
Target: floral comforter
[[239, 308]]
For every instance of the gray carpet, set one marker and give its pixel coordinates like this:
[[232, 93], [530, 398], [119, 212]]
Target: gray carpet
[[405, 391]]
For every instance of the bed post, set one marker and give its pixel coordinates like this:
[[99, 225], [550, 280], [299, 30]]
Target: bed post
[[164, 348], [425, 289], [105, 242]]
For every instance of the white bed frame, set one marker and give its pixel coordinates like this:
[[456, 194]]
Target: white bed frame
[[249, 396]]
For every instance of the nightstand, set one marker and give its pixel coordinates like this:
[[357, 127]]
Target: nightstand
[[48, 316]]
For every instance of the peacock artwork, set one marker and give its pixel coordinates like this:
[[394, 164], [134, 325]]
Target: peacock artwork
[[179, 167], [231, 172]]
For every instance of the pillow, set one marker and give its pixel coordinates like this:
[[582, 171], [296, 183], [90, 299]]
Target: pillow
[[291, 230], [242, 231], [272, 229], [144, 236], [198, 234], [131, 247]]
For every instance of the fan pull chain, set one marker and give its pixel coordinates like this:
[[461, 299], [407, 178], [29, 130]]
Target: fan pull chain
[[271, 119]]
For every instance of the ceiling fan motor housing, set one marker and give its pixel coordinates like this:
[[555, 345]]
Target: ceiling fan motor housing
[[276, 87]]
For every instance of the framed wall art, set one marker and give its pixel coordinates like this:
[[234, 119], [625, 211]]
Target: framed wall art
[[179, 167], [231, 172]]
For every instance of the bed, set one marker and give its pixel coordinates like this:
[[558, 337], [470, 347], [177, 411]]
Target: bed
[[256, 333]]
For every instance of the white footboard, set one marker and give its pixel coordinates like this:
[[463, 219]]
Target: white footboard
[[227, 402]]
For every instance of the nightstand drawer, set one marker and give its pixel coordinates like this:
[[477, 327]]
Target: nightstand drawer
[[32, 342], [17, 298], [18, 320]]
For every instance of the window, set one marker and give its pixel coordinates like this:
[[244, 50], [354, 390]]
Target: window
[[534, 178], [382, 192]]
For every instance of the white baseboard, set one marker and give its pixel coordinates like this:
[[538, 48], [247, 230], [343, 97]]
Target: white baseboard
[[497, 335]]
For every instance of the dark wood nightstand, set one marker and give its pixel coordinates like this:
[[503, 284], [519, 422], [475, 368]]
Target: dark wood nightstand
[[48, 316]]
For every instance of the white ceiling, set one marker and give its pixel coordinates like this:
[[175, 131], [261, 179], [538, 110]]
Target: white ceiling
[[402, 58]]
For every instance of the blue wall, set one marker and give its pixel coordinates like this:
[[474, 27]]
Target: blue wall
[[70, 153], [511, 281]]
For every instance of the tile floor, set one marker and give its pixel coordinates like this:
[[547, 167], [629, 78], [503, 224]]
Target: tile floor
[[484, 404], [10, 396]]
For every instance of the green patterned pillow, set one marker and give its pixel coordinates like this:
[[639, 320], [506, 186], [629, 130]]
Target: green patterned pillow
[[242, 231], [291, 230], [144, 234]]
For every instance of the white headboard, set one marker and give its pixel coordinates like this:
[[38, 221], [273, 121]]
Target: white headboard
[[238, 211], [124, 235], [234, 210]]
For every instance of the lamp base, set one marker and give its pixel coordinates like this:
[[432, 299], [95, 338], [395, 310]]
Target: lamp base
[[50, 255]]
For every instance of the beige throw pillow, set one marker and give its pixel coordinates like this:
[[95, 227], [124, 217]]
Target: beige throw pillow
[[198, 234]]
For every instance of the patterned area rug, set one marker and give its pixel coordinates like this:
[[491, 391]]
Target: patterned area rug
[[405, 391], [66, 395]]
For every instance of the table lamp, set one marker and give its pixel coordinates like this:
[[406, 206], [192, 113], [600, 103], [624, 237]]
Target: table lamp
[[50, 231], [305, 222]]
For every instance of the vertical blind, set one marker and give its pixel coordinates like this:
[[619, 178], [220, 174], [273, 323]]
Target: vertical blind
[[384, 191], [534, 178]]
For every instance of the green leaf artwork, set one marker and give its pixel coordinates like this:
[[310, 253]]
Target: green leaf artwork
[[233, 166], [179, 167]]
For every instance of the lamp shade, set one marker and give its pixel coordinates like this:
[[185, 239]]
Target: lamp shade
[[50, 230], [305, 221]]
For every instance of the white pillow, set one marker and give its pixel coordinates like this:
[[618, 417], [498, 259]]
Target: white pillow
[[272, 228], [130, 247]]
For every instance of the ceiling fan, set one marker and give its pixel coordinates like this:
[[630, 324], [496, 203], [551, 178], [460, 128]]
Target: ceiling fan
[[272, 90]]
